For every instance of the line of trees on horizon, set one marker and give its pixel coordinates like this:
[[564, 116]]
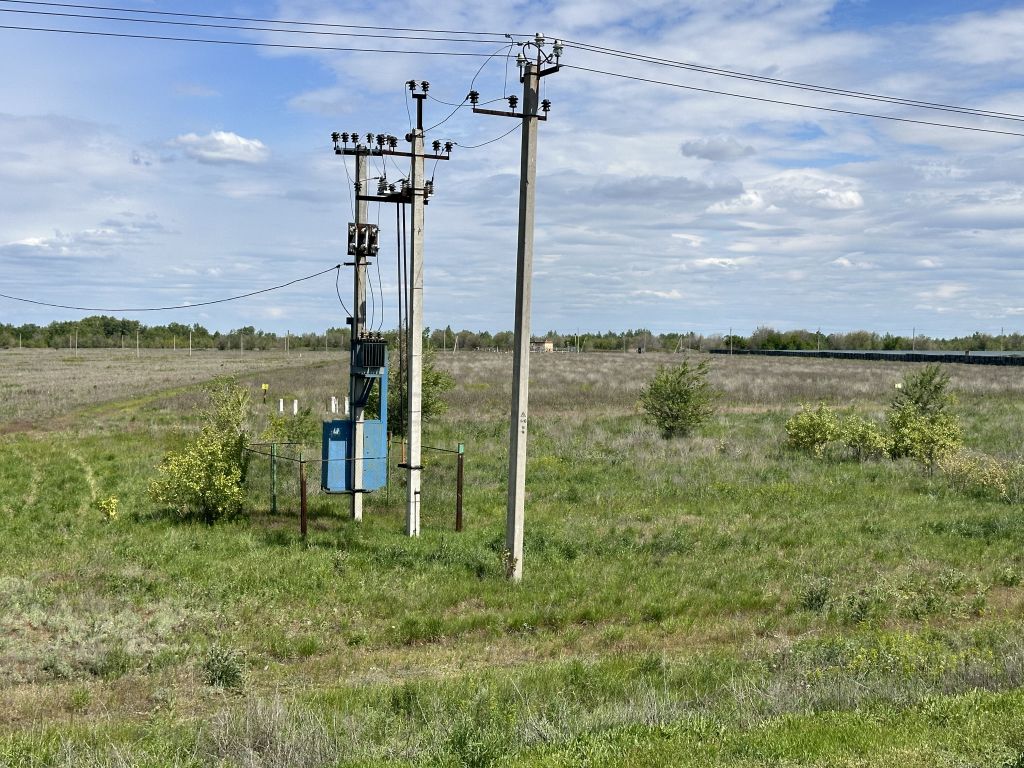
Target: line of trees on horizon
[[101, 331]]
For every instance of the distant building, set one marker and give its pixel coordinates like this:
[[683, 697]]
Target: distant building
[[542, 345]]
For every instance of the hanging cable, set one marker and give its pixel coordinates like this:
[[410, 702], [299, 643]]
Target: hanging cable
[[337, 290], [239, 27], [865, 95], [403, 333], [243, 43], [516, 127], [142, 11], [176, 306], [472, 82], [765, 100], [349, 186], [380, 284]]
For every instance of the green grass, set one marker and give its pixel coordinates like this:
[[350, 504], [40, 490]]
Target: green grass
[[712, 600]]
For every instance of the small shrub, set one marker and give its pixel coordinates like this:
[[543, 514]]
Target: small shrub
[[679, 398], [921, 422], [205, 478], [222, 668], [811, 430], [814, 597], [925, 392], [109, 508], [435, 383], [864, 438], [302, 428], [1008, 577], [975, 473], [927, 439]]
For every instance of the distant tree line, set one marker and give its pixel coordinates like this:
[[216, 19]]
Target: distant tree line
[[105, 331]]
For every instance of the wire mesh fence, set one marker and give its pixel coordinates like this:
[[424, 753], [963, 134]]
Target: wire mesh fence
[[275, 486]]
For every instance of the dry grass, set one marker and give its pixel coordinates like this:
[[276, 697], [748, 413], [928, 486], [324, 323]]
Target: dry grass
[[36, 385]]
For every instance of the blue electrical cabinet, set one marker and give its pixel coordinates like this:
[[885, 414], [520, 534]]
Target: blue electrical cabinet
[[334, 471], [369, 367]]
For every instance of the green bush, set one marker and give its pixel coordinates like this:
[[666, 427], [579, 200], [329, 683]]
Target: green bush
[[812, 429], [926, 439], [976, 474], [921, 421], [435, 383], [864, 438], [204, 479], [679, 398], [302, 428], [925, 392]]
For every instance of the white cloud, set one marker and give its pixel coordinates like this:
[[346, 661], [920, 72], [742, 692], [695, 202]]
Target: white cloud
[[669, 294], [979, 38], [943, 292], [719, 149], [721, 262], [219, 147], [847, 263], [751, 201], [694, 241]]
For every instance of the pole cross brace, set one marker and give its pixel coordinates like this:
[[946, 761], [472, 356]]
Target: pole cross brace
[[500, 113]]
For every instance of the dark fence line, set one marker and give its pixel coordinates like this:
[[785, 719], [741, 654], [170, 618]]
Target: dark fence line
[[978, 358]]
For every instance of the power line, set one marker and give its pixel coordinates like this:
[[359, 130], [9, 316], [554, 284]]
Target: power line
[[247, 19], [788, 103], [249, 28], [177, 306], [515, 127], [296, 46], [245, 43], [792, 83]]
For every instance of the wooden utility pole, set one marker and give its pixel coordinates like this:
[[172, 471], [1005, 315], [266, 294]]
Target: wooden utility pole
[[531, 73], [358, 326], [414, 340]]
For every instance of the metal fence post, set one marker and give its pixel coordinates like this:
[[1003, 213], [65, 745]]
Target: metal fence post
[[458, 486], [302, 497], [273, 478]]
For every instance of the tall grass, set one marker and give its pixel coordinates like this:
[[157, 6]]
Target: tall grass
[[713, 600]]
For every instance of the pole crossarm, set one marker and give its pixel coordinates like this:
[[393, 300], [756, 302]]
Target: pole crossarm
[[387, 153], [499, 113]]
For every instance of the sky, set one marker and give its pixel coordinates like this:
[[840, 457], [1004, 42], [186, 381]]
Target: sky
[[138, 173]]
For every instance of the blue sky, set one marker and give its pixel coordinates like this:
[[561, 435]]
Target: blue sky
[[138, 173]]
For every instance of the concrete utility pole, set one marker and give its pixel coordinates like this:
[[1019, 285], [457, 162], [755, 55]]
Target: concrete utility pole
[[531, 73], [415, 192], [414, 339], [358, 326]]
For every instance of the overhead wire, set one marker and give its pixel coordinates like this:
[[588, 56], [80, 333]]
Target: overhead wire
[[767, 100], [337, 290], [243, 43], [380, 283], [639, 57], [472, 82], [243, 27], [176, 306], [516, 127], [244, 18], [866, 95]]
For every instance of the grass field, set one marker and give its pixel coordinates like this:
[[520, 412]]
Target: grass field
[[715, 600]]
